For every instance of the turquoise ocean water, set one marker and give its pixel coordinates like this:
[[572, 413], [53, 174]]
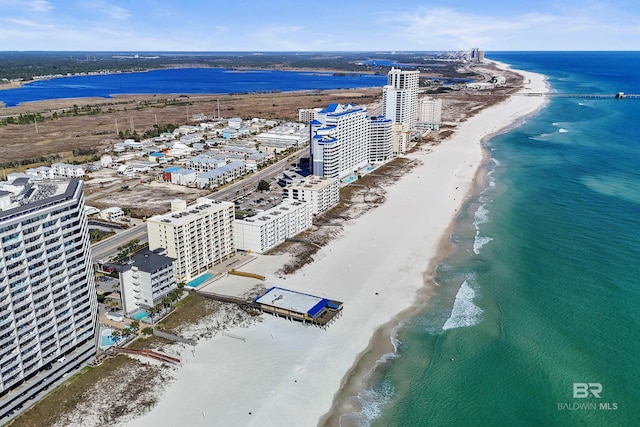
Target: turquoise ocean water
[[542, 289]]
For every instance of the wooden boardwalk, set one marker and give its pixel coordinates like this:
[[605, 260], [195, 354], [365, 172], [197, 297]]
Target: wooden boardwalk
[[111, 351]]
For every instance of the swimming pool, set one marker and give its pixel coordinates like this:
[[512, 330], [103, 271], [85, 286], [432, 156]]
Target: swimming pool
[[140, 315], [199, 280], [106, 338], [349, 179]]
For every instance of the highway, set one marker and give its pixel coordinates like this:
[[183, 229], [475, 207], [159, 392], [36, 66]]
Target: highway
[[109, 247], [250, 182]]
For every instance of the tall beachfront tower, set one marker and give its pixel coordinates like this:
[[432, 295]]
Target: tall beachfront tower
[[430, 114], [381, 142], [197, 237], [48, 304], [400, 97], [339, 140]]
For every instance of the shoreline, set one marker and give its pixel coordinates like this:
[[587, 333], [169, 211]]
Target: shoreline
[[381, 266], [377, 353]]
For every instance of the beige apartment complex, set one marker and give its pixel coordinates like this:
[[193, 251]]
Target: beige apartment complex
[[197, 237]]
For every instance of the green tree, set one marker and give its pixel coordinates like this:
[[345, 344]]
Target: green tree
[[148, 330], [126, 331], [263, 185]]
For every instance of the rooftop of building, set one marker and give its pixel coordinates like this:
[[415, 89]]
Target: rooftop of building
[[150, 261], [277, 210], [313, 183], [28, 194], [291, 300], [191, 213]]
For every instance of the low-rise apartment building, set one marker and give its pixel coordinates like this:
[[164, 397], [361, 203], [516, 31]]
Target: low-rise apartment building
[[321, 193], [65, 170], [146, 280], [272, 227]]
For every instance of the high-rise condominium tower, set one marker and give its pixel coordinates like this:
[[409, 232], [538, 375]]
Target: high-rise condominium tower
[[48, 304], [400, 97]]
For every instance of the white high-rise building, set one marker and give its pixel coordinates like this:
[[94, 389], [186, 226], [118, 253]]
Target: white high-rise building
[[48, 304], [273, 226], [381, 142], [197, 237], [430, 114], [339, 140], [400, 97]]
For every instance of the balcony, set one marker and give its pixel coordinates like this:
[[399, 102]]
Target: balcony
[[66, 340], [78, 292], [8, 253], [34, 245], [10, 365], [32, 230], [25, 354], [5, 342], [24, 320], [30, 369], [17, 271], [13, 231], [47, 333], [80, 307], [49, 351], [65, 323], [22, 303], [57, 286]]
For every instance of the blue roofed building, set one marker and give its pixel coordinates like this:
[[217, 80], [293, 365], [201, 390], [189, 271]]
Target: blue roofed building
[[339, 140]]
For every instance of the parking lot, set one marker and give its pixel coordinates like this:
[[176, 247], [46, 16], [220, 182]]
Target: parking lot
[[258, 201]]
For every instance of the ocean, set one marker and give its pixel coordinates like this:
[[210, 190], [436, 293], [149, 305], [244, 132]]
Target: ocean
[[185, 81], [536, 318]]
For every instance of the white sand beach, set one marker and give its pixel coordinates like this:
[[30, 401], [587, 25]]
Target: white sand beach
[[285, 373]]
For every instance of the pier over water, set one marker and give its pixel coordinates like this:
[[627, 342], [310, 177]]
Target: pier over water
[[583, 95]]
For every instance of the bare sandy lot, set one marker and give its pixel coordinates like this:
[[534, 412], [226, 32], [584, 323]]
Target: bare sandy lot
[[142, 196], [94, 128]]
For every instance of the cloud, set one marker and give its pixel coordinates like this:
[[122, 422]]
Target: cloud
[[40, 5], [278, 37], [440, 28], [29, 24], [104, 9], [29, 5], [578, 26]]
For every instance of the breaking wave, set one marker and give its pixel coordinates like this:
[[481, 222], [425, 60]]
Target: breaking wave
[[465, 312]]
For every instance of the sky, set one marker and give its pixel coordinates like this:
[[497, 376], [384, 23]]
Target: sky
[[330, 25]]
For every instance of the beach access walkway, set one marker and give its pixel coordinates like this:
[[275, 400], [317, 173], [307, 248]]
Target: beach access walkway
[[145, 352]]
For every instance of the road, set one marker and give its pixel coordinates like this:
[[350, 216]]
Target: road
[[250, 183], [109, 247]]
